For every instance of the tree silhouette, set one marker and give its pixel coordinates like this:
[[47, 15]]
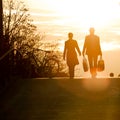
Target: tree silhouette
[[1, 38], [17, 26], [1, 26], [19, 32]]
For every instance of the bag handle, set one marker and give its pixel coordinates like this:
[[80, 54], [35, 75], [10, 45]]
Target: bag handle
[[101, 57], [84, 57]]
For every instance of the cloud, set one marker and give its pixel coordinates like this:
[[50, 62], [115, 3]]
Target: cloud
[[108, 46]]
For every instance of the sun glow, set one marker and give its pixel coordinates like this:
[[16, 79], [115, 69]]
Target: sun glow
[[82, 13], [86, 13], [110, 46]]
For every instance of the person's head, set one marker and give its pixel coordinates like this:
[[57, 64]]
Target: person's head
[[91, 30], [70, 35]]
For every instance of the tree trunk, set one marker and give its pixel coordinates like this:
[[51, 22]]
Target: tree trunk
[[1, 26]]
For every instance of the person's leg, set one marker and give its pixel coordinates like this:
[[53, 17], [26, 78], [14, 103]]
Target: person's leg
[[90, 59], [71, 71], [95, 65], [95, 61]]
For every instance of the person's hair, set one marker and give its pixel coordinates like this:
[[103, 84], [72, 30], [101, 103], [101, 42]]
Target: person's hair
[[92, 29], [70, 34]]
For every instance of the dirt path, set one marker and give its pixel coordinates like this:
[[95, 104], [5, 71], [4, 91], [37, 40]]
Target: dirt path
[[62, 99]]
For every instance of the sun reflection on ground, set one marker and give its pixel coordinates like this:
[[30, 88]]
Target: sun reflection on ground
[[95, 84], [87, 88]]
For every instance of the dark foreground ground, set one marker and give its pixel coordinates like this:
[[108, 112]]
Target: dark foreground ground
[[62, 99]]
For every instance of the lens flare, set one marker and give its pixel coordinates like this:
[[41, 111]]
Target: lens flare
[[96, 84]]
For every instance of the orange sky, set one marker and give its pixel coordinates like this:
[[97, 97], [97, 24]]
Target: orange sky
[[58, 17], [78, 16]]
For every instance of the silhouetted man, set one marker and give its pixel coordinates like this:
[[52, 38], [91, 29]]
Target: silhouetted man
[[93, 50], [70, 53]]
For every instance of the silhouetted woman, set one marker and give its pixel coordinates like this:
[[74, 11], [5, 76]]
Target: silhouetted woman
[[70, 53]]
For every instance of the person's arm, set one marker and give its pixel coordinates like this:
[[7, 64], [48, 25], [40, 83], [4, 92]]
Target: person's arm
[[100, 52], [64, 52], [84, 47], [78, 49]]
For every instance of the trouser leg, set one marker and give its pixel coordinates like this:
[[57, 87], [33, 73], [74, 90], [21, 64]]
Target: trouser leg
[[93, 64], [90, 64]]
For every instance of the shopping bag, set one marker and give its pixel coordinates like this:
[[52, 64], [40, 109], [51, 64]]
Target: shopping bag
[[101, 65], [85, 64]]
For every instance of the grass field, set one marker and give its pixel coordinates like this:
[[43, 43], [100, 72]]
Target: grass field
[[62, 99]]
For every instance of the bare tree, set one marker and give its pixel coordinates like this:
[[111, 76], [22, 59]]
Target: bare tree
[[18, 29], [17, 23], [19, 32]]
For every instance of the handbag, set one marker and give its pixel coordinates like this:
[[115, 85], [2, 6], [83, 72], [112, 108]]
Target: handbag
[[85, 64], [101, 65]]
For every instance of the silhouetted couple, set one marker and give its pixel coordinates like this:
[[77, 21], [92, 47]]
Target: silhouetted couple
[[91, 48]]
